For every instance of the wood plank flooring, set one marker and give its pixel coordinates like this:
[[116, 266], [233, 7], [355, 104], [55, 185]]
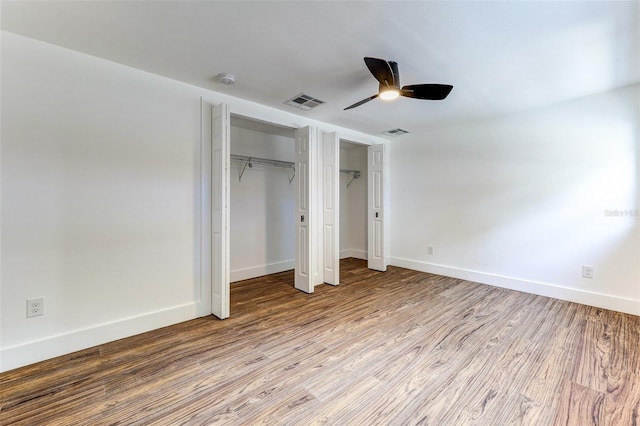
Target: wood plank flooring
[[395, 348]]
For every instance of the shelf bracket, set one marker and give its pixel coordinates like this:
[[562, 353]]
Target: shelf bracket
[[356, 175], [247, 163]]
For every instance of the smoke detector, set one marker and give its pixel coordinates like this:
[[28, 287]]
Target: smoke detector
[[226, 78]]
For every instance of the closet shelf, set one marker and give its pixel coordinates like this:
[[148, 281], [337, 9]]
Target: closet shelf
[[265, 161], [250, 161]]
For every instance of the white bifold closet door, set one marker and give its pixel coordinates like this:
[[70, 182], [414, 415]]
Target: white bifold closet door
[[305, 200], [376, 201], [220, 142], [331, 207]]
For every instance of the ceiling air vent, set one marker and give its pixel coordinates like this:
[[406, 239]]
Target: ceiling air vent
[[395, 132], [304, 102]]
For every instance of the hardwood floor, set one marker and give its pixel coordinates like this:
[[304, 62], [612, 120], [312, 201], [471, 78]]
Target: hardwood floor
[[394, 348]]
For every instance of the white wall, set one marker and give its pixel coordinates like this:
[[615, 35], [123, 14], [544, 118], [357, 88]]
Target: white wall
[[353, 202], [99, 213], [262, 206], [100, 198], [521, 201]]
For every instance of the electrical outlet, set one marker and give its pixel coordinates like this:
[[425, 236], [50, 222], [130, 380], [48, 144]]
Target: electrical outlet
[[35, 307], [430, 250], [587, 271]]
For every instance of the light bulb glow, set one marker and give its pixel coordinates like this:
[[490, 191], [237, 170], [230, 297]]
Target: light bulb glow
[[389, 94]]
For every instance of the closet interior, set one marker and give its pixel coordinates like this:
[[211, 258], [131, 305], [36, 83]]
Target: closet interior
[[262, 203], [353, 201]]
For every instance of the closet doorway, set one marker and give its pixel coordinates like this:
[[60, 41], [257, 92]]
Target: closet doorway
[[216, 181], [354, 222], [361, 196]]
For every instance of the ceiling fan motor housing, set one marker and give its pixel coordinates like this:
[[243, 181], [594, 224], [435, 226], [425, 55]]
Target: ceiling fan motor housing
[[396, 74]]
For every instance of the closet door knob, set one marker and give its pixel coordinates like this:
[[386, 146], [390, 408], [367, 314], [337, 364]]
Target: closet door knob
[[302, 218]]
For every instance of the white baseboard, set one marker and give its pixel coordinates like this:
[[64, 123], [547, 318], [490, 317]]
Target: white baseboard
[[358, 254], [258, 271], [606, 301], [62, 344]]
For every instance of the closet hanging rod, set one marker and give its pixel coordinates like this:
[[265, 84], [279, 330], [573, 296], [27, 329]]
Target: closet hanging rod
[[280, 163], [250, 161], [355, 173], [266, 161]]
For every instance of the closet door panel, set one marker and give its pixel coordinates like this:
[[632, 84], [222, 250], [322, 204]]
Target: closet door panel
[[376, 211], [304, 218], [331, 207], [220, 141]]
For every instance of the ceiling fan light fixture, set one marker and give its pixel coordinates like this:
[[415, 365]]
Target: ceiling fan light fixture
[[389, 93]]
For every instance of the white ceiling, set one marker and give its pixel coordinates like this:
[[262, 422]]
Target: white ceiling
[[500, 56]]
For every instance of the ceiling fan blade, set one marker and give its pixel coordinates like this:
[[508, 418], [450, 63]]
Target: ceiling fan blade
[[381, 70], [364, 101], [435, 92]]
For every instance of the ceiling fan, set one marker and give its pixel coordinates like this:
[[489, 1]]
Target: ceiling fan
[[386, 72]]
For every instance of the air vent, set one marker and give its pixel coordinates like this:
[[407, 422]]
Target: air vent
[[395, 132], [304, 102]]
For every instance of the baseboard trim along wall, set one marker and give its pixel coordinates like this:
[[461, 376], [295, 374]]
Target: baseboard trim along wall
[[62, 344], [358, 254], [258, 271], [600, 300]]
